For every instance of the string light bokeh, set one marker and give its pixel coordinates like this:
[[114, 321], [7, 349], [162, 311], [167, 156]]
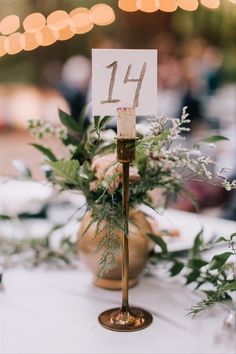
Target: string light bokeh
[[58, 26], [61, 26], [168, 5]]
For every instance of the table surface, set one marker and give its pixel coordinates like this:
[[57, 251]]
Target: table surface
[[55, 311]]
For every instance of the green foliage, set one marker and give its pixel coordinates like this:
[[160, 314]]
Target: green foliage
[[45, 151], [159, 241], [109, 219], [4, 217], [176, 268], [161, 162], [213, 139], [218, 273], [100, 123], [197, 245], [82, 117], [66, 173], [36, 251], [69, 122], [219, 260], [210, 140], [230, 286]]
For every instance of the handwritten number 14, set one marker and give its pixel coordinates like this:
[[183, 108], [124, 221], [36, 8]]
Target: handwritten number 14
[[127, 79]]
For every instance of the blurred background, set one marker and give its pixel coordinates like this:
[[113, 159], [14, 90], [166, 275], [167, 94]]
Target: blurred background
[[196, 68]]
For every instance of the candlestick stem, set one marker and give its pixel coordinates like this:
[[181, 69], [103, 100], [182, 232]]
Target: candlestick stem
[[125, 318], [125, 240]]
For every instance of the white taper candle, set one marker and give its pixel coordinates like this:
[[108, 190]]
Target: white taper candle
[[126, 123]]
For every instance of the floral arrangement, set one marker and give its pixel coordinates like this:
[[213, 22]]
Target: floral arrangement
[[90, 166]]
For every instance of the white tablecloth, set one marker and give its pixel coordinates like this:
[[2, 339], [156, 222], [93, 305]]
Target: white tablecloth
[[53, 312], [56, 312]]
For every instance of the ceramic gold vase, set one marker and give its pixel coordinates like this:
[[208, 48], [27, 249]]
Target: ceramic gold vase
[[139, 247]]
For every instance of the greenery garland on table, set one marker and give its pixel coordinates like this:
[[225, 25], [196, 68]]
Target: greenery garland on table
[[216, 278]]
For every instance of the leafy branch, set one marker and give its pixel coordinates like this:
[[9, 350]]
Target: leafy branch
[[37, 251], [219, 273]]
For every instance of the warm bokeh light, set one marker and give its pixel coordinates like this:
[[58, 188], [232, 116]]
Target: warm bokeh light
[[102, 14], [66, 33], [211, 4], [168, 5], [148, 5], [46, 36], [188, 5], [14, 43], [79, 10], [63, 26], [30, 41], [81, 21], [128, 6], [2, 50], [34, 22], [58, 20], [9, 24]]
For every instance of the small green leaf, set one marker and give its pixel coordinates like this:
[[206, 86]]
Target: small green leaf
[[104, 121], [210, 293], [4, 217], [199, 283], [230, 286], [159, 241], [198, 242], [96, 122], [163, 135], [213, 139], [232, 236], [221, 239], [71, 140], [82, 118], [197, 263], [99, 122], [219, 260], [66, 171], [176, 268], [105, 147], [46, 151], [192, 276], [68, 121]]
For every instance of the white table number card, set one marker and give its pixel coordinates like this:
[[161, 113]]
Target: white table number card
[[124, 78]]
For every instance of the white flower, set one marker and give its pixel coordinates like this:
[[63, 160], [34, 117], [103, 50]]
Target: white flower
[[61, 133], [72, 148]]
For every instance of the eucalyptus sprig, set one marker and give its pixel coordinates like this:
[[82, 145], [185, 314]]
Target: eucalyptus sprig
[[35, 251]]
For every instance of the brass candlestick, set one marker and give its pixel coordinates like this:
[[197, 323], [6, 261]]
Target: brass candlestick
[[126, 318]]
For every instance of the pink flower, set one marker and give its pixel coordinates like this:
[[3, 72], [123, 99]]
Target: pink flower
[[101, 164], [107, 169], [93, 186], [113, 178], [134, 174]]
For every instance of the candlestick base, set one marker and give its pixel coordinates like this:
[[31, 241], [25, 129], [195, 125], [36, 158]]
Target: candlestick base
[[118, 320]]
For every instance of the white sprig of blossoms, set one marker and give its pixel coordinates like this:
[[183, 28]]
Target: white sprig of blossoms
[[40, 128], [182, 163]]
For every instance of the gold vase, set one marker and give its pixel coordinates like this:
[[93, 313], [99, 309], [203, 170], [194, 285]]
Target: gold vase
[[139, 247]]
